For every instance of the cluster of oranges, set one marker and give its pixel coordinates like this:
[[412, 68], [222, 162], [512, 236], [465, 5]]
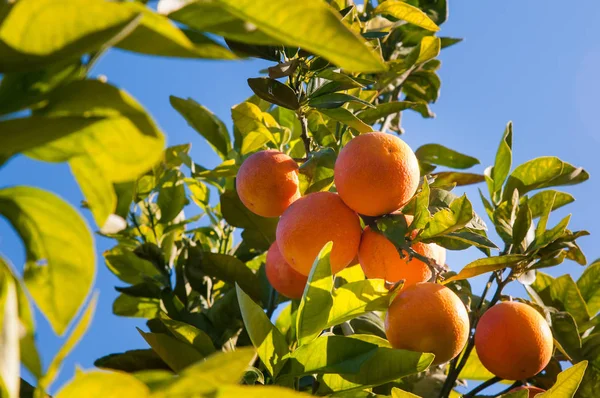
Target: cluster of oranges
[[376, 174]]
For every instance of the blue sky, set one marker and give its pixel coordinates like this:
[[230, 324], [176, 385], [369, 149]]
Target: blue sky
[[529, 62]]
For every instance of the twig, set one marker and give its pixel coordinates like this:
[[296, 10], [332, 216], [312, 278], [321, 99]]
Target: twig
[[483, 386], [304, 135], [516, 384]]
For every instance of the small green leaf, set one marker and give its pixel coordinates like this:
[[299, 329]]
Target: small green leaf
[[566, 296], [543, 172], [335, 100], [467, 237], [269, 342], [250, 121], [128, 267], [177, 354], [502, 164], [539, 202], [589, 287], [132, 361], [451, 178], [357, 298], [51, 229], [370, 116], [275, 92], [317, 299], [171, 196], [316, 174], [345, 116], [448, 220], [73, 339], [449, 41], [428, 49], [136, 307], [440, 155], [205, 123], [487, 264], [421, 216], [408, 13], [189, 334], [103, 384], [549, 236], [292, 23], [567, 383], [522, 224]]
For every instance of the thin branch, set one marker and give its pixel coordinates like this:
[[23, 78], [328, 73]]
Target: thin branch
[[516, 384], [483, 386], [304, 134]]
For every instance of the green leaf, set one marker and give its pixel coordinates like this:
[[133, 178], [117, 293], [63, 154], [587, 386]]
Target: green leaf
[[76, 335], [440, 155], [171, 196], [316, 174], [502, 165], [132, 361], [205, 123], [189, 334], [222, 266], [421, 208], [250, 121], [177, 354], [357, 298], [544, 238], [222, 368], [9, 337], [428, 49], [21, 90], [317, 299], [567, 383], [565, 332], [275, 92], [464, 237], [451, 178], [449, 41], [128, 267], [370, 116], [589, 287], [335, 100], [156, 35], [30, 36], [522, 224], [543, 172], [58, 245], [269, 342], [408, 13], [346, 117], [398, 393], [387, 364], [136, 307], [566, 296], [539, 202], [292, 23], [448, 220], [474, 369], [103, 384], [487, 264]]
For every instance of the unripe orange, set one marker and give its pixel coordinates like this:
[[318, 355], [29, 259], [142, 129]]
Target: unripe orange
[[379, 258], [282, 277], [376, 173], [312, 221], [513, 341], [428, 317], [533, 391], [267, 183]]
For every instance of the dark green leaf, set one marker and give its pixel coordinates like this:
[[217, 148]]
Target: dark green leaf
[[539, 202], [335, 100], [189, 334], [132, 361], [522, 224], [449, 41], [488, 264], [589, 287], [440, 155], [370, 116], [171, 197], [316, 174], [146, 289], [275, 92], [136, 307], [128, 267], [565, 332], [176, 354], [502, 165], [468, 237]]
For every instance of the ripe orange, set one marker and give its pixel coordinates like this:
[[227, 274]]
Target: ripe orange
[[533, 391], [428, 317], [312, 221], [379, 258], [513, 341], [282, 277], [267, 183], [376, 173]]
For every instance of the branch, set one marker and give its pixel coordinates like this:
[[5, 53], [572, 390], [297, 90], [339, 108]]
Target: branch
[[304, 134], [483, 386]]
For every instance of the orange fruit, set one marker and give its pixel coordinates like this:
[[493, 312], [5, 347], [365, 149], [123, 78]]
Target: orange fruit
[[533, 391], [376, 173], [312, 221], [282, 277], [267, 183], [428, 317], [513, 341], [379, 258]]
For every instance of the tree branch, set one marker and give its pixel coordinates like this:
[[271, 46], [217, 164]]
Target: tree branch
[[483, 386]]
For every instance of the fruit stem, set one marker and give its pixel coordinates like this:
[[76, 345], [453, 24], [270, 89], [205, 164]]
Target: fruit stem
[[304, 135], [483, 386]]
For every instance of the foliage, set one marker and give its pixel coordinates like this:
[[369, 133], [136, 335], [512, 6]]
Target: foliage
[[200, 281]]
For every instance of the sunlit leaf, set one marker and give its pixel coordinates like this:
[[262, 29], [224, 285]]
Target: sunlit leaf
[[567, 383], [370, 116], [9, 337], [589, 287], [487, 264], [274, 91], [440, 155], [345, 116], [177, 354], [189, 334], [408, 13], [104, 385]]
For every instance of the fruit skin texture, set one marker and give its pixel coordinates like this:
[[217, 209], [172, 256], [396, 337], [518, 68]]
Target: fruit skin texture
[[267, 183], [379, 258], [428, 317], [513, 341], [312, 221], [533, 391], [376, 173], [282, 277]]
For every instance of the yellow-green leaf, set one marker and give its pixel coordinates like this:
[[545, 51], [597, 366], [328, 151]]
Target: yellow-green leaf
[[406, 12], [61, 262], [9, 337], [429, 49], [567, 383], [104, 385], [487, 264], [293, 22], [177, 354]]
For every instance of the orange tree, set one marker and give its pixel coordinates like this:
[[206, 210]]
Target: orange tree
[[214, 288]]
